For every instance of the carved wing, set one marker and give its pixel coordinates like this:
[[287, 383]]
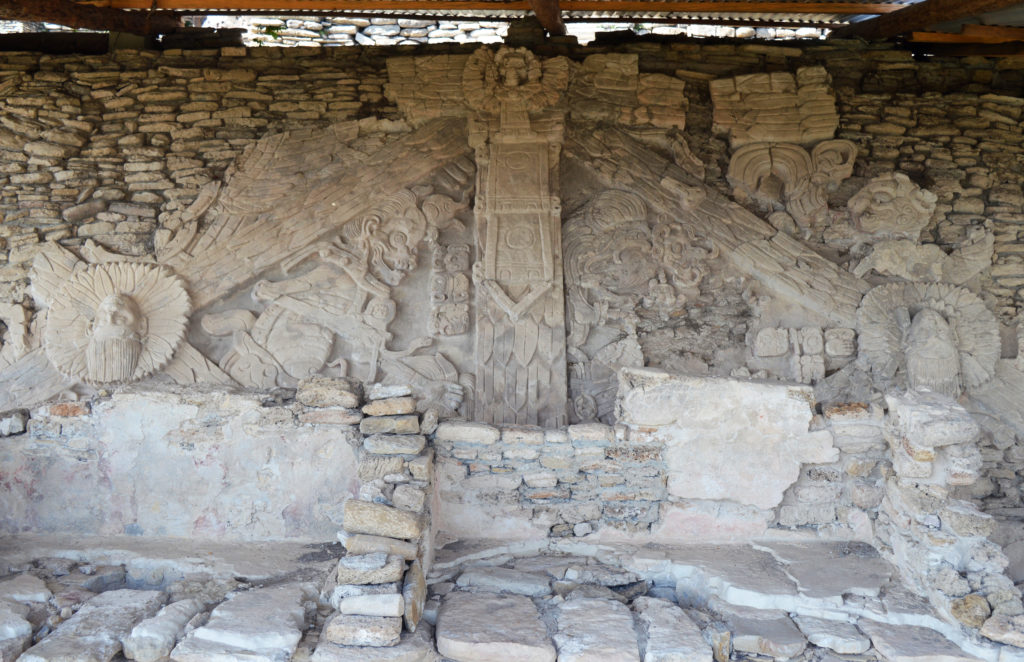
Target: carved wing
[[52, 267]]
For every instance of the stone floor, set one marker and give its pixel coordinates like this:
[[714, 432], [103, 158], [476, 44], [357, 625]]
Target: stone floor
[[86, 599]]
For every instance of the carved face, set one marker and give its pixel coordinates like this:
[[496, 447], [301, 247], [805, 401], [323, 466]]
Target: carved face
[[116, 341], [892, 206], [933, 360]]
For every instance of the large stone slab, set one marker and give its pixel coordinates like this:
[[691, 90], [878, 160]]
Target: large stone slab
[[839, 636], [908, 643], [380, 520], [261, 625], [667, 634], [24, 588], [725, 439], [414, 647], [505, 580], [832, 569], [761, 631], [483, 627], [738, 574], [591, 630], [94, 633], [154, 638]]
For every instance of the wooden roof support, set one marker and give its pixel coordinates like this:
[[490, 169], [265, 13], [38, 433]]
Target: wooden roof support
[[920, 16], [74, 15], [645, 6], [549, 15]]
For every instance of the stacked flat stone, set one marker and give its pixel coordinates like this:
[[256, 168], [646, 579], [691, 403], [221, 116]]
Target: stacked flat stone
[[576, 479], [379, 587]]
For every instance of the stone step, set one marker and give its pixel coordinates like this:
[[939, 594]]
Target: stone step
[[94, 633], [667, 634], [484, 627], [261, 625]]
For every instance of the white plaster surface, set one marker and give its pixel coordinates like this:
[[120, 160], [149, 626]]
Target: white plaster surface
[[725, 439], [214, 466]]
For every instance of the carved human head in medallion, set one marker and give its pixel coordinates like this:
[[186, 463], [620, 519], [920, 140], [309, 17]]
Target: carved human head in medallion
[[115, 343], [933, 360]]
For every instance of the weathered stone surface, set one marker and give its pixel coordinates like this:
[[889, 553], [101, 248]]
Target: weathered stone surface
[[383, 604], [380, 391], [762, 631], [830, 570], [592, 630], [152, 639], [505, 580], [414, 590], [1005, 629], [972, 610], [325, 392], [380, 520], [15, 630], [361, 543], [471, 433], [667, 634], [395, 444], [907, 643], [94, 633], [24, 588], [373, 568], [841, 637], [350, 630], [337, 593], [390, 406], [408, 424], [482, 627], [748, 453], [413, 647], [409, 498], [262, 625]]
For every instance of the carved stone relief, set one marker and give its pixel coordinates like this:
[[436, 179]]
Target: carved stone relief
[[891, 206], [804, 355], [786, 177], [928, 336], [520, 325], [779, 107], [626, 270], [109, 323], [906, 259], [449, 290]]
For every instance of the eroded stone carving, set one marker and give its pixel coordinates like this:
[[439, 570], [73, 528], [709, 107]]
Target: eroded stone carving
[[786, 176], [928, 335], [891, 206], [802, 354], [449, 290], [775, 108], [520, 325], [621, 267], [904, 258], [16, 339], [109, 323]]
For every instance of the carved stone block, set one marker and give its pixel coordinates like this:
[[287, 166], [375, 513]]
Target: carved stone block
[[771, 342]]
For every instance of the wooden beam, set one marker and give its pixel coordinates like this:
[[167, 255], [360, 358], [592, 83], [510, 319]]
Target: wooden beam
[[971, 34], [74, 15], [920, 16], [550, 16], [644, 6]]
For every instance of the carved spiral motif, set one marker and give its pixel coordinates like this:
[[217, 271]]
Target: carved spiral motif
[[116, 322]]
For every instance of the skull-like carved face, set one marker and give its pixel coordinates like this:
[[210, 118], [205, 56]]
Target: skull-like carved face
[[116, 340]]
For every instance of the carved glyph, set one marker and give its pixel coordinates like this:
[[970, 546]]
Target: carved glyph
[[449, 290], [786, 176], [779, 107], [891, 206], [110, 323], [928, 335], [802, 354]]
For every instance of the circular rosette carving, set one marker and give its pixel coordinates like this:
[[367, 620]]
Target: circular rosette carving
[[928, 335], [116, 322]]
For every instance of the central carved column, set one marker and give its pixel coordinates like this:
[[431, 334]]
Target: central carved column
[[520, 312]]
